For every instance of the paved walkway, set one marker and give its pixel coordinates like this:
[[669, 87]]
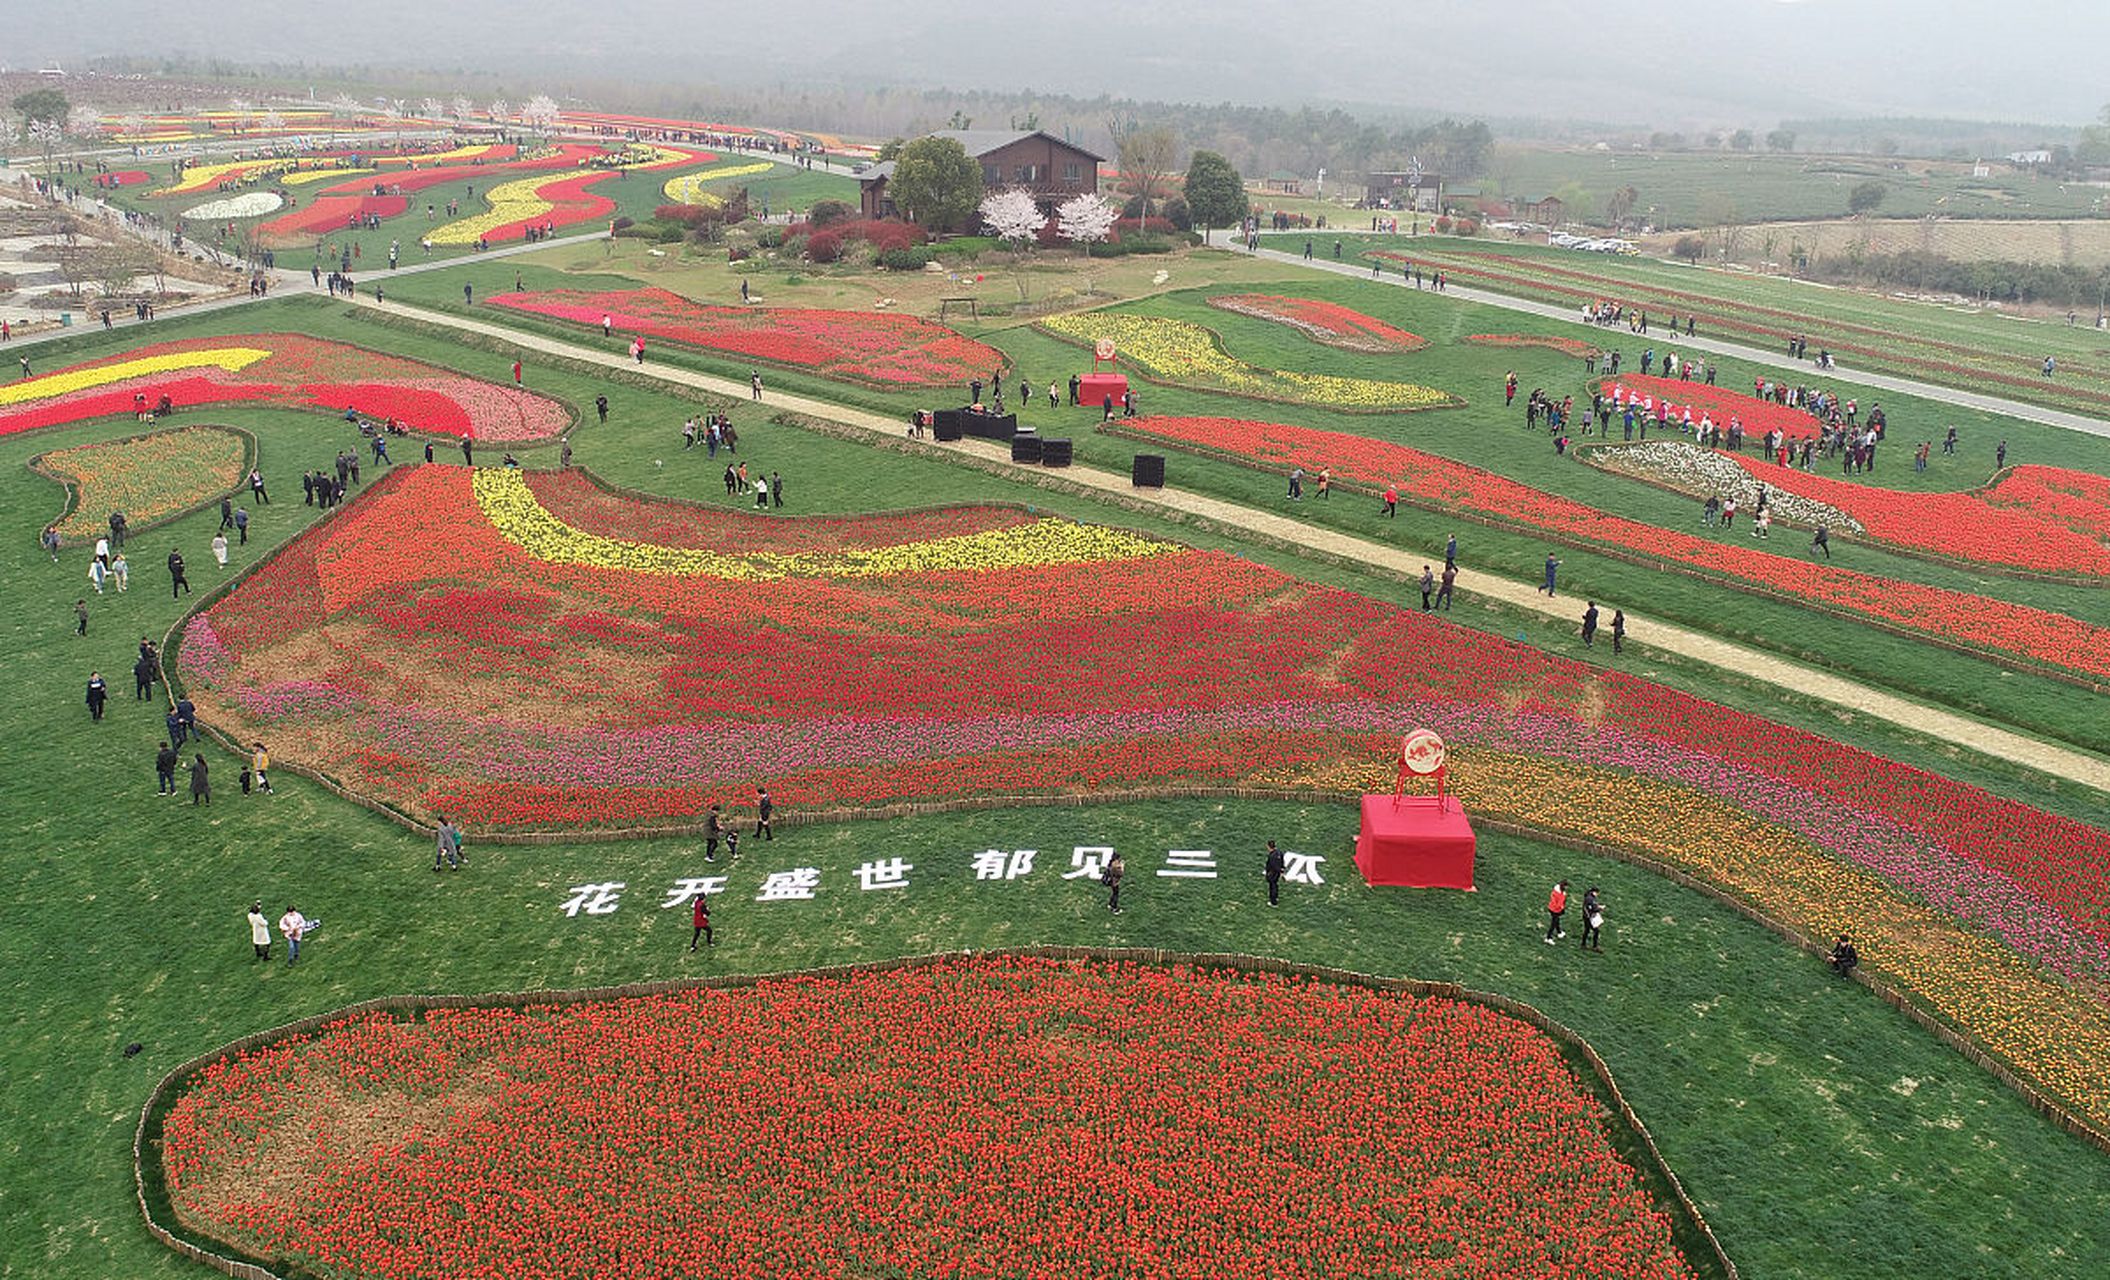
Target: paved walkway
[[2046, 757], [1699, 342]]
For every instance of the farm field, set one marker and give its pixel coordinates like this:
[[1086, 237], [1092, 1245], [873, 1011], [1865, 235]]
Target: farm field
[[633, 597]]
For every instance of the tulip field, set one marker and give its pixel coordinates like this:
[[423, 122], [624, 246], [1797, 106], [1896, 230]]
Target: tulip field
[[993, 1118], [966, 690], [881, 349], [286, 369], [149, 477]]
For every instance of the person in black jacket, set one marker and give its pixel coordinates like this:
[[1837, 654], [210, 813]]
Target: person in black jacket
[[98, 694], [764, 807], [165, 771], [1275, 866], [178, 584]]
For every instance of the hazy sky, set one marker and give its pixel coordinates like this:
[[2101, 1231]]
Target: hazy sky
[[1671, 63]]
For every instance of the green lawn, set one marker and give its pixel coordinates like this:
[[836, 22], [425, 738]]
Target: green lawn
[[1809, 1120]]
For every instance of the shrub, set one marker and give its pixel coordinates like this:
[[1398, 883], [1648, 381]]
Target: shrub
[[771, 238], [1442, 224], [914, 258], [1177, 213], [826, 213], [624, 224], [824, 246], [1467, 227]]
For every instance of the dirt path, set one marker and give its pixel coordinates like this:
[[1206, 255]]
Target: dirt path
[[2046, 757]]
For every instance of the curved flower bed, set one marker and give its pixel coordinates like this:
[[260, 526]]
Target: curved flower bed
[[332, 205], [688, 189], [1328, 323], [516, 205], [1704, 472], [250, 204], [1974, 528], [1184, 354], [283, 369], [1575, 347], [883, 349], [330, 213], [924, 1121], [150, 478], [545, 681], [2056, 641]]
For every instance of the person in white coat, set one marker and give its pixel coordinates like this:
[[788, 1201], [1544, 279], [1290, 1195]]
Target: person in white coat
[[260, 931]]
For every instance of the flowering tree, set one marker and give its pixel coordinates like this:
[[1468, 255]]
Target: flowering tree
[[540, 114], [463, 108], [501, 110], [1015, 219], [273, 121], [46, 135], [432, 109], [1084, 220]]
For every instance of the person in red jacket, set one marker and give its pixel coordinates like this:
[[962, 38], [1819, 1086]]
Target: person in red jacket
[[700, 916], [1555, 905]]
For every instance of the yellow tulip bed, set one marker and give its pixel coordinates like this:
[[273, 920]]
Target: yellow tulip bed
[[513, 509], [688, 188], [1181, 353], [231, 359]]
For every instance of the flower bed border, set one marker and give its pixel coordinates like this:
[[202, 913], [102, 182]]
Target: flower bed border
[[1451, 400], [1691, 1235], [250, 453], [1573, 348]]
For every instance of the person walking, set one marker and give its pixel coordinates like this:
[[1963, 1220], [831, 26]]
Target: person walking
[[1822, 541], [754, 385], [776, 488], [516, 373], [50, 542], [1391, 502], [1450, 551], [226, 512], [468, 453], [1428, 588], [1447, 586], [1556, 905], [1618, 629], [2000, 456], [260, 765], [761, 492], [259, 930], [293, 926], [219, 549], [200, 782], [713, 832], [764, 808], [1275, 866], [120, 573], [1116, 869], [600, 406], [700, 919], [178, 584], [1296, 484], [447, 844], [256, 490], [1553, 568], [98, 694], [1589, 624], [1593, 920], [165, 771], [241, 525]]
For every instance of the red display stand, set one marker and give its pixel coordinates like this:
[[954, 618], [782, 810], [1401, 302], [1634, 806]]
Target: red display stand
[[1422, 842], [1094, 388]]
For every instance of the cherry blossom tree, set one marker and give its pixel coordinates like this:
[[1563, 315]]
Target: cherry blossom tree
[[1015, 219], [501, 111], [432, 109], [540, 114], [1084, 220], [462, 108]]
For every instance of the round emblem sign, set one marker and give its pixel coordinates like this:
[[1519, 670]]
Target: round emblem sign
[[1422, 752], [1103, 349]]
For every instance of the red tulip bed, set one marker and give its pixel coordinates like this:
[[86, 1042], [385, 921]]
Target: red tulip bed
[[556, 662], [1575, 347], [1324, 322], [954, 1119], [1982, 623], [2039, 519], [332, 213], [331, 206], [1676, 395], [288, 370], [1948, 363], [884, 349]]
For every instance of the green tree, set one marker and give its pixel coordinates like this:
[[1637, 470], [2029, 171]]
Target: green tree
[[1781, 140], [1865, 197], [42, 104], [1690, 248], [936, 183], [890, 150], [1740, 140], [1215, 192]]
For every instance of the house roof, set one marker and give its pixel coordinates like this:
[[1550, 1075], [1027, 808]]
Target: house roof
[[980, 142], [877, 173]]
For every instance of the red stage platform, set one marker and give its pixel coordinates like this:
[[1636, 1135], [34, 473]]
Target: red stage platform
[[1094, 388], [1409, 841]]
